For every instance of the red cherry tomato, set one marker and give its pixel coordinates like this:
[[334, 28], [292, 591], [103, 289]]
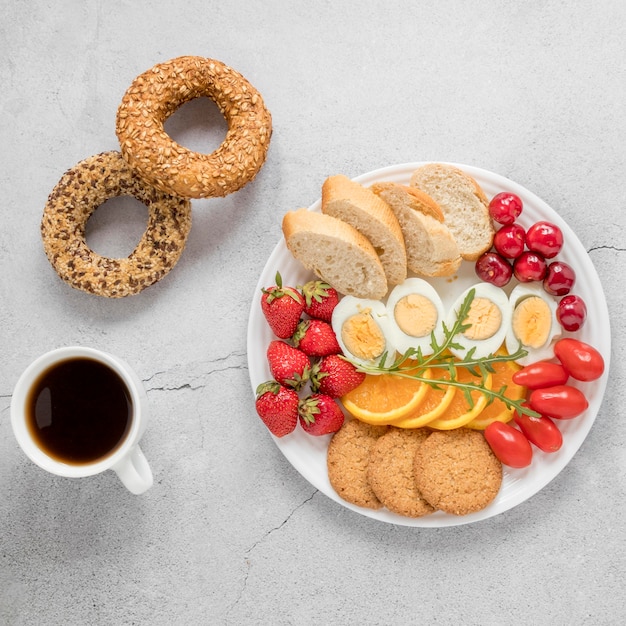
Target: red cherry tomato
[[541, 374], [562, 402], [509, 444], [541, 431], [582, 361]]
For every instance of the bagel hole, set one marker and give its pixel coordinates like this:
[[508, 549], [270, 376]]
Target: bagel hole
[[198, 125], [115, 228]]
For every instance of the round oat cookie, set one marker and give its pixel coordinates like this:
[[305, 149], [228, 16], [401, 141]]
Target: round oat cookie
[[347, 460], [391, 471], [456, 471]]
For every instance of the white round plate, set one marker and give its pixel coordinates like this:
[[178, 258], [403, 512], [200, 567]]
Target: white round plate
[[308, 454]]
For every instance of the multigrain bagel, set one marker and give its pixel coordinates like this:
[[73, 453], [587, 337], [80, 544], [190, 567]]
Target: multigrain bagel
[[79, 192], [154, 95]]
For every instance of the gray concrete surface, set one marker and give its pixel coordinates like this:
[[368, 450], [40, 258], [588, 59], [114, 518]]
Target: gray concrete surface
[[231, 533]]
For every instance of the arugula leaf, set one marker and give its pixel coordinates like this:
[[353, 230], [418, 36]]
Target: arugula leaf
[[413, 364]]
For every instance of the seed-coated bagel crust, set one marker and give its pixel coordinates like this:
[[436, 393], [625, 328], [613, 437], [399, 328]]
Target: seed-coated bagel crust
[[157, 93], [80, 191]]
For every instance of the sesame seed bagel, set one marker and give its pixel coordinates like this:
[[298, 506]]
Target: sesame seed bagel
[[79, 192], [154, 95]]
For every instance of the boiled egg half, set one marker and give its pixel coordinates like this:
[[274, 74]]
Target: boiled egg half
[[415, 311], [361, 326], [534, 323], [488, 318]]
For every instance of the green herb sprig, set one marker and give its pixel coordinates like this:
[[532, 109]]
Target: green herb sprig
[[413, 364]]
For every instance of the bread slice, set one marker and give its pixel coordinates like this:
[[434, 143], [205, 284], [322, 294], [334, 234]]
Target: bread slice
[[336, 252], [431, 250], [464, 205], [356, 205]]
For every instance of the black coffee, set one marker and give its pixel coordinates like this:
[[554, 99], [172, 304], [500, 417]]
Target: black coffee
[[79, 411]]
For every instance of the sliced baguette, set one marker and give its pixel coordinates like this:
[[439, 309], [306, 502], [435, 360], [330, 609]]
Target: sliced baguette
[[356, 205], [463, 203], [431, 250], [335, 252]]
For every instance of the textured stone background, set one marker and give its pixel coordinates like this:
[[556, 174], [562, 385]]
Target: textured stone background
[[231, 533]]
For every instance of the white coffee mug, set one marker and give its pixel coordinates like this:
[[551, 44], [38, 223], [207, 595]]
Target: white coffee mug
[[126, 458]]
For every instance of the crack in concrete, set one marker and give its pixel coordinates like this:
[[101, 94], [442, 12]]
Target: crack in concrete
[[615, 248], [247, 552], [195, 377], [277, 528], [192, 387]]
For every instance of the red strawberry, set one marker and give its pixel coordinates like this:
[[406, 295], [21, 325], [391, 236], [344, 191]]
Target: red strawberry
[[277, 406], [316, 338], [320, 414], [320, 299], [335, 377], [282, 307], [288, 365]]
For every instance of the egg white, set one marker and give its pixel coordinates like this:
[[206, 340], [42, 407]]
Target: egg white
[[401, 340], [483, 347], [546, 351], [349, 306]]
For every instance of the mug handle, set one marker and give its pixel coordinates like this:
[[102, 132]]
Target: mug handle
[[134, 472]]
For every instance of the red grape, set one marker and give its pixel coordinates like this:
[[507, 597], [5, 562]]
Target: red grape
[[545, 238], [571, 312], [529, 266], [509, 241], [493, 268], [560, 279], [505, 207]]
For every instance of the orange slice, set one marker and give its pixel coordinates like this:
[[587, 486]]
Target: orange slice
[[497, 410], [459, 411], [384, 398], [435, 402]]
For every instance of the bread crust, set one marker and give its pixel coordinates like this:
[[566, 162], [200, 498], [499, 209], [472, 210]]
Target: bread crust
[[464, 204], [422, 202], [431, 248], [336, 252], [349, 201]]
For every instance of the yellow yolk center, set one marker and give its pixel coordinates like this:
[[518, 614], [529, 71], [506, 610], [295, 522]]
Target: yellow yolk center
[[416, 315], [532, 321], [485, 319], [362, 336]]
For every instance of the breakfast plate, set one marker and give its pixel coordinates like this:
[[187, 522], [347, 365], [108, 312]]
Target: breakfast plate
[[307, 453]]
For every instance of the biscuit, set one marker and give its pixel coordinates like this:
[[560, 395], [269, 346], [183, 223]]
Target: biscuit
[[347, 461], [390, 471], [456, 471]]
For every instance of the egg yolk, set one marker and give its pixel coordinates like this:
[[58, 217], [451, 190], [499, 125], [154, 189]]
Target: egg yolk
[[362, 336], [532, 321], [416, 315], [485, 318]]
